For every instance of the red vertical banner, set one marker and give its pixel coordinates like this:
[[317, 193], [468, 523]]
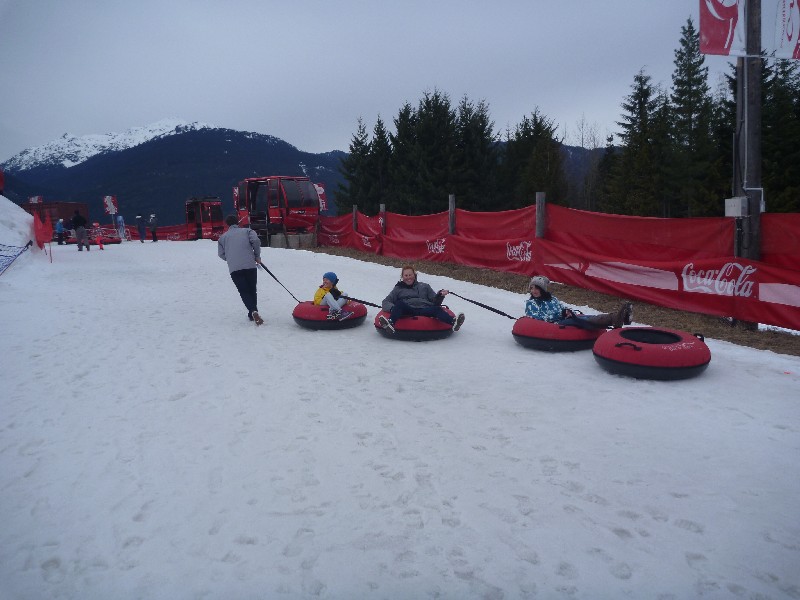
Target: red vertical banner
[[722, 27]]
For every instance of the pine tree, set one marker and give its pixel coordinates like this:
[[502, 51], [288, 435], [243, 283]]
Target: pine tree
[[475, 161], [379, 157], [435, 152], [780, 147], [531, 162], [632, 187], [692, 150], [354, 168], [403, 163]]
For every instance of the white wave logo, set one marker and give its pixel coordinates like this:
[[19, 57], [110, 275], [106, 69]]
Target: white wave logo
[[521, 252], [334, 240], [732, 279], [367, 243], [436, 246]]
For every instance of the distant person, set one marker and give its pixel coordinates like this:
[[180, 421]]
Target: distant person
[[79, 225], [411, 298], [329, 295], [141, 226], [543, 306], [153, 223], [121, 227], [60, 232], [241, 249]]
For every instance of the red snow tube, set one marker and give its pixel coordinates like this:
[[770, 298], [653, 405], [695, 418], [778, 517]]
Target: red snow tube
[[652, 353], [416, 329], [552, 337], [315, 316]]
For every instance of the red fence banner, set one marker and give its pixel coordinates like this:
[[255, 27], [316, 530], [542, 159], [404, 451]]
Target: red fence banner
[[730, 287], [780, 239], [510, 256], [648, 238], [686, 264], [372, 226], [424, 227], [503, 225]]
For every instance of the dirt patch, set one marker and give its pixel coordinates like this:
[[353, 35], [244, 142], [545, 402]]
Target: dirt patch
[[656, 316]]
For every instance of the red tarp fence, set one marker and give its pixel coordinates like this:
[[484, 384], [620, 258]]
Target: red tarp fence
[[687, 264]]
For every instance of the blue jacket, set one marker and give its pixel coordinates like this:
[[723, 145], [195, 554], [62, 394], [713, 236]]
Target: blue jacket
[[544, 310], [240, 248]]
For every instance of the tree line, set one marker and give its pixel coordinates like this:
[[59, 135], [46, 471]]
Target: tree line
[[673, 156]]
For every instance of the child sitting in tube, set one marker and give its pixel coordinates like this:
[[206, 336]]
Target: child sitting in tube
[[329, 295]]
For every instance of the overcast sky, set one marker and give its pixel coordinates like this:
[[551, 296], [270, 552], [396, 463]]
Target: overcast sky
[[306, 70]]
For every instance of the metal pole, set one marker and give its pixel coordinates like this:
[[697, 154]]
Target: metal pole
[[752, 114], [355, 218]]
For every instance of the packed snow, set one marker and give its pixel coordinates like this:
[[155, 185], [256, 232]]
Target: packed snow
[[155, 444]]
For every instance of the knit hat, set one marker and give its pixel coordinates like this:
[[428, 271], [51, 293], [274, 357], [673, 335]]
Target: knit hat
[[541, 282], [331, 276]]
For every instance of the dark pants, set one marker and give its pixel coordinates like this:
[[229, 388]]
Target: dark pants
[[401, 309], [142, 234], [245, 281], [60, 236], [154, 234]]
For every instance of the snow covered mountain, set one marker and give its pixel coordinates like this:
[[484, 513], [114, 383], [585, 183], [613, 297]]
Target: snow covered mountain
[[69, 150]]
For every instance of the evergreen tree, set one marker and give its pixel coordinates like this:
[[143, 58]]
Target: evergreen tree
[[435, 153], [475, 161], [531, 162], [632, 186], [780, 147], [692, 149], [354, 169], [403, 163], [379, 157]]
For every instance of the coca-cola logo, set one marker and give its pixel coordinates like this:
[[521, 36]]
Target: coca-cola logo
[[334, 240], [732, 279], [521, 252], [367, 243], [436, 246]]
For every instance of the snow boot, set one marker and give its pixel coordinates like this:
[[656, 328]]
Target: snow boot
[[386, 324], [458, 322], [257, 319]]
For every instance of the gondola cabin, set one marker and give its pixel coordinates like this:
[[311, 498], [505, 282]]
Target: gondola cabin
[[204, 218], [277, 204]]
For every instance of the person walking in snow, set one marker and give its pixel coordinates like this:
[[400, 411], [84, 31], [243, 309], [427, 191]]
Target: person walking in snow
[[60, 232], [241, 249], [329, 295], [141, 226], [411, 297], [153, 223], [79, 225], [542, 305]]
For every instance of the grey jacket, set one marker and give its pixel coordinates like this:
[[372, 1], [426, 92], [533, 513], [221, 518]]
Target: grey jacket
[[418, 295], [240, 247]]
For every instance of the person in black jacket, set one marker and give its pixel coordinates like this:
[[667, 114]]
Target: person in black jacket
[[79, 225], [414, 298]]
